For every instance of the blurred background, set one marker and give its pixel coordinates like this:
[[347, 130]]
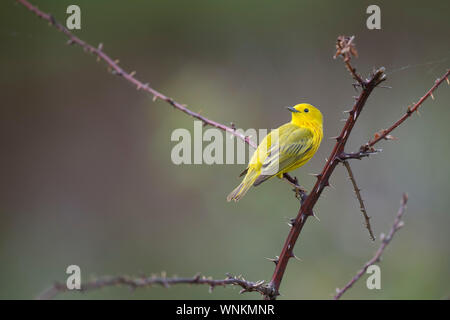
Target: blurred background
[[85, 166]]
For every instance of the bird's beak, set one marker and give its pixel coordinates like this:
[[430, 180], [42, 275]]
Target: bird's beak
[[292, 109]]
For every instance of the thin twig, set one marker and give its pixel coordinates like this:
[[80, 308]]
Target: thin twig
[[130, 76], [398, 223], [139, 282], [358, 155], [385, 134], [345, 47], [360, 200]]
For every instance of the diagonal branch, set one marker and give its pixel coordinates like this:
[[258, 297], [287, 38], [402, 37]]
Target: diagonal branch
[[360, 200], [306, 208], [140, 282], [398, 223], [114, 68], [385, 134]]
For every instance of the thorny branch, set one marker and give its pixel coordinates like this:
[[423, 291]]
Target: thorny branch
[[130, 76], [140, 282], [114, 68], [346, 49], [385, 240], [306, 208], [360, 200], [385, 134], [357, 155]]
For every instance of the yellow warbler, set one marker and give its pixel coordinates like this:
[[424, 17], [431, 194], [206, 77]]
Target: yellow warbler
[[283, 149]]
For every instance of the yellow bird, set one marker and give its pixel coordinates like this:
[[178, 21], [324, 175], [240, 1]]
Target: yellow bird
[[283, 149]]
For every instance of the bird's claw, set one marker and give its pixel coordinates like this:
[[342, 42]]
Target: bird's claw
[[300, 193]]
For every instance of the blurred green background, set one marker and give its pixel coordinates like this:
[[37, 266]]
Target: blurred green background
[[85, 167]]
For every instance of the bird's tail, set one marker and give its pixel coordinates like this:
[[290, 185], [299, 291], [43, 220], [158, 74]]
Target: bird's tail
[[246, 183]]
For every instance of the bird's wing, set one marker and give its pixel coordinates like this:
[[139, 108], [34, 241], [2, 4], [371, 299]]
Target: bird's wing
[[290, 147]]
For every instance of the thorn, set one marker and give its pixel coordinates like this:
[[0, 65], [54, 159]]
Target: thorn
[[132, 73], [317, 175], [155, 97], [409, 109], [390, 137], [292, 221], [292, 255], [116, 61], [431, 94], [70, 42], [347, 111], [337, 138], [314, 215], [274, 260], [258, 283], [448, 82], [100, 46]]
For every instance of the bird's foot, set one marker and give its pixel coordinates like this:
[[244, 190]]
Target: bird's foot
[[300, 192]]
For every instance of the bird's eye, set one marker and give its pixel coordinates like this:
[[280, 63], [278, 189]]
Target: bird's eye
[[306, 110]]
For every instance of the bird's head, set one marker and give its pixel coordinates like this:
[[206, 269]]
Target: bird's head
[[305, 113]]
